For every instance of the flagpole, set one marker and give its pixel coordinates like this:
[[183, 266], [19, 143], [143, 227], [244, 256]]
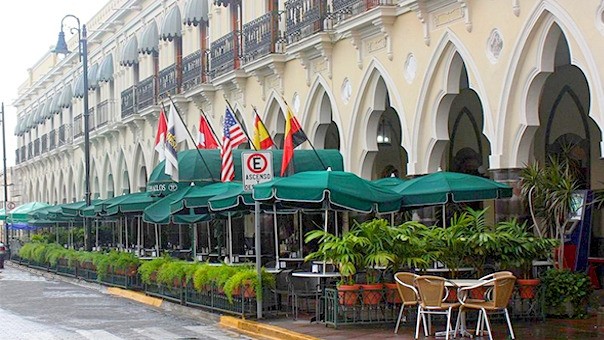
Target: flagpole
[[238, 122], [261, 122], [308, 139], [210, 126], [190, 136]]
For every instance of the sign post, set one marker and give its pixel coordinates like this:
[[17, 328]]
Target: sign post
[[257, 167]]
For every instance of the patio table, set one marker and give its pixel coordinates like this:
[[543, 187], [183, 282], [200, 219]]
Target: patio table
[[321, 277], [460, 283]]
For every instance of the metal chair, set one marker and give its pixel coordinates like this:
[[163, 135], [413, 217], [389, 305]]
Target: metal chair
[[408, 294], [301, 288], [431, 291], [502, 288]]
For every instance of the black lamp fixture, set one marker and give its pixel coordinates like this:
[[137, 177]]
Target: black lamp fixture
[[61, 48], [384, 133]]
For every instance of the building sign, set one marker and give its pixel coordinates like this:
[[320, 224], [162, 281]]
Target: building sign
[[257, 167]]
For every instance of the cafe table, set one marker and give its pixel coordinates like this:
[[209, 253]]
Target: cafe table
[[322, 278]]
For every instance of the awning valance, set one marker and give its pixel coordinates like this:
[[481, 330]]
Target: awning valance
[[31, 121], [105, 73], [172, 25], [40, 114], [78, 87], [18, 129], [196, 12], [93, 80], [225, 3], [66, 96], [130, 52], [54, 107], [149, 40]]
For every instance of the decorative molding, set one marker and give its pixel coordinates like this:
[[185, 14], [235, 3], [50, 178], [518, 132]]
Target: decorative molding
[[494, 46], [421, 13], [600, 19], [466, 14], [516, 7], [385, 25], [356, 41]]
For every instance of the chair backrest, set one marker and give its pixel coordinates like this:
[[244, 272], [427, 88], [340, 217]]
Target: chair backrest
[[406, 290], [431, 290], [496, 274], [503, 287]]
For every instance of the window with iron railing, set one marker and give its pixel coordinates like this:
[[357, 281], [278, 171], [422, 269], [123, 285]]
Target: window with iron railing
[[192, 70], [78, 126], [91, 119], [260, 36], [64, 136], [224, 54], [52, 140], [343, 9], [304, 18], [168, 81], [30, 150], [102, 116], [128, 101], [145, 93], [17, 155], [37, 147], [44, 142]]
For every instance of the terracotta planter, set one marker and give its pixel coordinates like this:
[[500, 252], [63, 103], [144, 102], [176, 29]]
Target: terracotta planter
[[478, 293], [247, 288], [392, 295], [527, 288], [452, 297], [348, 294], [372, 293]]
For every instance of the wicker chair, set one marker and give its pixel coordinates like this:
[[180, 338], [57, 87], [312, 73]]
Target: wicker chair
[[408, 294], [502, 287], [431, 291]]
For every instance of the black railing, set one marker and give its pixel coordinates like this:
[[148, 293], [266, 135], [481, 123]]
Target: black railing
[[44, 142], [225, 54], [194, 70], [129, 101], [78, 126], [260, 36], [36, 147], [304, 18], [30, 150], [102, 116], [91, 119], [63, 135], [52, 140], [145, 93], [168, 81], [23, 157], [343, 9]]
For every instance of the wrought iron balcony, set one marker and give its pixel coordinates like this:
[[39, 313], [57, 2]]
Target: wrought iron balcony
[[78, 126], [44, 142], [194, 70], [102, 116], [343, 9], [225, 53], [64, 137], [91, 119], [260, 36], [30, 150], [23, 153], [304, 18], [145, 93], [168, 81], [37, 147], [17, 155], [128, 101], [52, 140]]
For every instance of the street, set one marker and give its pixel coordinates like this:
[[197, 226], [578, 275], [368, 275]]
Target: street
[[34, 307]]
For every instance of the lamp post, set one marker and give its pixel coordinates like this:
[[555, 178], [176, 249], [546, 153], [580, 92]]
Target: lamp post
[[61, 48], [4, 169]]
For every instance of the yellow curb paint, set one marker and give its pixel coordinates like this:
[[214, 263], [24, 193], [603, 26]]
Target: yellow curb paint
[[261, 330], [136, 296]]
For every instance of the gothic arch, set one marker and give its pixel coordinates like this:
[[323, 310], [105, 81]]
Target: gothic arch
[[318, 113]]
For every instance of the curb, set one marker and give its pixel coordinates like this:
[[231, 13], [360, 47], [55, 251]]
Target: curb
[[136, 296], [260, 330]]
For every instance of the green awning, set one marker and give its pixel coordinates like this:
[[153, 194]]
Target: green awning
[[234, 199], [443, 187], [74, 209], [22, 212], [159, 212], [192, 168], [333, 189], [198, 196], [393, 183], [131, 203]]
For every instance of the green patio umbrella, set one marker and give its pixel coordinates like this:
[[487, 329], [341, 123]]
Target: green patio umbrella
[[159, 211], [74, 208], [444, 187], [131, 203], [233, 199], [199, 196], [393, 183], [22, 212]]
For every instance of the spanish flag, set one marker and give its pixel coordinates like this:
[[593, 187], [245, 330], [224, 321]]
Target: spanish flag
[[262, 140], [294, 136]]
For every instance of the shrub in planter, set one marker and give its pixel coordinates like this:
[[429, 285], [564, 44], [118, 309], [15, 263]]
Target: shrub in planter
[[566, 294], [148, 269], [245, 282], [201, 277], [172, 273]]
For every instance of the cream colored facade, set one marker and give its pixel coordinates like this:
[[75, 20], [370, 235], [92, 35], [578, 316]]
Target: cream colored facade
[[463, 85]]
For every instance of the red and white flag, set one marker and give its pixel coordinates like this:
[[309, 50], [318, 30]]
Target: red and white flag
[[233, 135], [205, 137], [160, 136]]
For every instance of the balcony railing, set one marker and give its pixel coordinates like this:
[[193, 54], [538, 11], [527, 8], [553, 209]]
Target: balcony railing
[[37, 147], [17, 156], [91, 119], [64, 137], [24, 153], [52, 140], [78, 126], [168, 81], [260, 36], [30, 150], [145, 93], [343, 9], [304, 18], [128, 101], [225, 54], [194, 71], [102, 116], [44, 142]]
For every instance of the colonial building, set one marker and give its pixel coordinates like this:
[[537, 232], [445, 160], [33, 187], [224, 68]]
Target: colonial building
[[398, 86]]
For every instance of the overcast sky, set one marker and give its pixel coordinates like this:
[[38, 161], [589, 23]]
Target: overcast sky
[[29, 29]]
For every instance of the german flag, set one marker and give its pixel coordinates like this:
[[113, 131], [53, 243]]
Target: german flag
[[262, 140], [294, 136]]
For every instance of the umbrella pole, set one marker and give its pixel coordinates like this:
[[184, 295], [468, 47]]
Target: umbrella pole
[[444, 217], [195, 242], [126, 225], [140, 239], [392, 219], [96, 223], [57, 231], [209, 238], [156, 240], [301, 227], [258, 258], [276, 236], [335, 222], [230, 237], [180, 236], [325, 228]]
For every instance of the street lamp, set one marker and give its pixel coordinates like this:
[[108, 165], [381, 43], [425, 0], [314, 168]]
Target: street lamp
[[4, 168], [61, 48]]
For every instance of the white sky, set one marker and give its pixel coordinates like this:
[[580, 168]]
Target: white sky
[[29, 29]]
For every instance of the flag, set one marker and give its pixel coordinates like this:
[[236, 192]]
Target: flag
[[205, 137], [175, 134], [160, 136], [262, 140], [294, 136], [232, 136]]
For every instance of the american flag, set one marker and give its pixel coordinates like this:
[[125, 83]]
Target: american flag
[[233, 135]]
